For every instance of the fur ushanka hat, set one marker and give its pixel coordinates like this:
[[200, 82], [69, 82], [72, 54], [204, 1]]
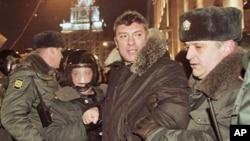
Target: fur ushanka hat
[[48, 39], [211, 23]]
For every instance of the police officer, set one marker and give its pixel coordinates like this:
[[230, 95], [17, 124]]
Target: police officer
[[37, 74]]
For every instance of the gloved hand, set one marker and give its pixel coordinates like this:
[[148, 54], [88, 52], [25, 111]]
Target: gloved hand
[[144, 126], [152, 102]]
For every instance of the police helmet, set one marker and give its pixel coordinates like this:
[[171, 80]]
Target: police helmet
[[82, 58], [7, 59], [63, 62]]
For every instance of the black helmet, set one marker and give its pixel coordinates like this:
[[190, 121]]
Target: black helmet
[[81, 58], [7, 59], [63, 62], [62, 78]]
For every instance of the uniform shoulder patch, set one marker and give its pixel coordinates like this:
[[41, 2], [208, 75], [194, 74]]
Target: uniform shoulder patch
[[18, 84]]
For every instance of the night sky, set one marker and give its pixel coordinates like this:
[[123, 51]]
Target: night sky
[[15, 14]]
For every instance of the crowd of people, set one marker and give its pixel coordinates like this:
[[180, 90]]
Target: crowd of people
[[55, 94]]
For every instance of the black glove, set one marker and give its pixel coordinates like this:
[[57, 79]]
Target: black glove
[[144, 126]]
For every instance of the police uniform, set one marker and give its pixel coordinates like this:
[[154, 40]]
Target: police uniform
[[19, 113], [19, 108]]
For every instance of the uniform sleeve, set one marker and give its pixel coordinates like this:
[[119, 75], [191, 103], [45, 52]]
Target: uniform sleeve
[[241, 112], [67, 125], [164, 134], [17, 108]]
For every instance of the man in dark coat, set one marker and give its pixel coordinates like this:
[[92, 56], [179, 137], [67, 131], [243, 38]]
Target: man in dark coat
[[147, 89], [210, 35], [37, 74]]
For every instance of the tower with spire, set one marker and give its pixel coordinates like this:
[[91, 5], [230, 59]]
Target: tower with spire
[[84, 16], [85, 28]]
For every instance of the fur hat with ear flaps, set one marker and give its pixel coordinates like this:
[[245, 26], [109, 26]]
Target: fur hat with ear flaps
[[211, 23], [48, 39]]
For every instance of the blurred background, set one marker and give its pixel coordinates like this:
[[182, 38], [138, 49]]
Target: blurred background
[[87, 24]]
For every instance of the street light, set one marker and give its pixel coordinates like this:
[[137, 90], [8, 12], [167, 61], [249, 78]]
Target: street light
[[105, 44]]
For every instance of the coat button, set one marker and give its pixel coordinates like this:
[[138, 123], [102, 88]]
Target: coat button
[[198, 119]]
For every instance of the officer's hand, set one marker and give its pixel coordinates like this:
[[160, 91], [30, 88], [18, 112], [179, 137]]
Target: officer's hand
[[90, 116]]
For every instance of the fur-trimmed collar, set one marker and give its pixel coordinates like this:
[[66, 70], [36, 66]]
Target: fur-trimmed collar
[[155, 48], [222, 76], [39, 65]]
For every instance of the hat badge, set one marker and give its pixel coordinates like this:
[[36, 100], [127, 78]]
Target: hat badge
[[186, 25]]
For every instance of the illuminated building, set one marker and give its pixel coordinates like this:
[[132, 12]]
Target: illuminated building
[[85, 29]]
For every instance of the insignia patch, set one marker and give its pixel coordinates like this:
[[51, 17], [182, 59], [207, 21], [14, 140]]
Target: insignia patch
[[47, 78], [18, 84], [186, 25]]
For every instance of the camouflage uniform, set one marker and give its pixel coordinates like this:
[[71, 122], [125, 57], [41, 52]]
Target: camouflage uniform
[[19, 114]]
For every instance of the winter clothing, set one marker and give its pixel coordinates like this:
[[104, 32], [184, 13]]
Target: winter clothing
[[4, 134], [48, 39], [67, 113], [241, 111], [3, 80], [222, 86], [18, 113], [211, 23], [151, 92]]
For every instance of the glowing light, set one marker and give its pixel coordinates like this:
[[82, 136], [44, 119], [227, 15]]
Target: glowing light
[[105, 44]]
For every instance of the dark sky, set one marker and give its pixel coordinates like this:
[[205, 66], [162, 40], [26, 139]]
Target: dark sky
[[15, 14]]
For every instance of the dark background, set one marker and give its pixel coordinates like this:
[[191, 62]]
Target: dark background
[[18, 23]]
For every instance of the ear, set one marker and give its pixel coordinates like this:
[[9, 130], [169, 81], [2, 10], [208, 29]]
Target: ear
[[116, 44], [53, 50], [228, 47]]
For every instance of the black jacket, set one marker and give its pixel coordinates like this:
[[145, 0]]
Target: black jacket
[[154, 87]]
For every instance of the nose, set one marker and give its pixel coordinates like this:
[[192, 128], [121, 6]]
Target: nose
[[83, 80], [190, 53], [61, 55], [131, 40]]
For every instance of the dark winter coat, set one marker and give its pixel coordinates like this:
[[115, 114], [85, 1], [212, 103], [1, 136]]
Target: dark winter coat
[[154, 87], [241, 113], [221, 85], [67, 109], [18, 113]]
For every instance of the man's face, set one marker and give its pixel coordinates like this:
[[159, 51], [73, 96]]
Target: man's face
[[203, 56], [57, 58], [130, 40], [81, 76]]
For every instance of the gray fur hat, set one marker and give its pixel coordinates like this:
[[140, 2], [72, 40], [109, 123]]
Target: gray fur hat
[[48, 39], [211, 23]]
